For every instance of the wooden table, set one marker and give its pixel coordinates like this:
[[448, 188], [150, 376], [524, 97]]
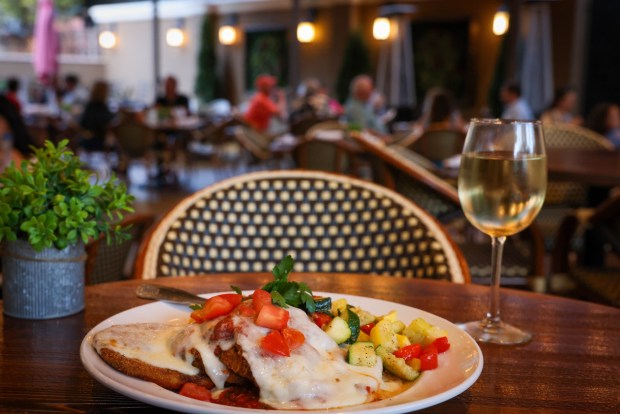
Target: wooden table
[[571, 365], [601, 168]]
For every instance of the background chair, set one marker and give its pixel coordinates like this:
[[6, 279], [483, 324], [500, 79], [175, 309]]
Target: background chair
[[327, 222], [399, 168], [255, 142], [135, 140], [109, 262], [563, 197], [328, 146], [439, 144], [599, 282]]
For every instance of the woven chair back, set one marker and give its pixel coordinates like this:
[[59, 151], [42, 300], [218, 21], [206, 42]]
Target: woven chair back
[[439, 144], [327, 222]]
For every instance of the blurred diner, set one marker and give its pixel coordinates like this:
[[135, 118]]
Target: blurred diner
[[263, 107], [358, 110], [171, 99], [562, 109], [515, 106], [605, 119], [12, 93], [96, 118]]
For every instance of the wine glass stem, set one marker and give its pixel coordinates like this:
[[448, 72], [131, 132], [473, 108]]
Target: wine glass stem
[[492, 319]]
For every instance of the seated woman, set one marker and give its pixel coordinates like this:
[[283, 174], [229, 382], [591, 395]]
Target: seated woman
[[562, 108], [96, 118], [439, 112], [605, 119]]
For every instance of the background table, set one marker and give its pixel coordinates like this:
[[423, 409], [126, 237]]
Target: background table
[[571, 365], [600, 168]]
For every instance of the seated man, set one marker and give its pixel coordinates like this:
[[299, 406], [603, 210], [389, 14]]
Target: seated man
[[171, 98], [357, 110], [262, 108], [515, 107]]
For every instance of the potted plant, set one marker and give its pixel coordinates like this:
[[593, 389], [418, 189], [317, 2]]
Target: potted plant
[[49, 208]]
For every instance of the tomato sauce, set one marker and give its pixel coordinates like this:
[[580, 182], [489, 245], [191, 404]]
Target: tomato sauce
[[240, 397]]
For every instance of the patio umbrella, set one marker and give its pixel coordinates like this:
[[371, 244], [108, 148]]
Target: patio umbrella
[[45, 56]]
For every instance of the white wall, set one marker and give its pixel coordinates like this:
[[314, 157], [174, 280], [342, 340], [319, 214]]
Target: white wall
[[129, 66]]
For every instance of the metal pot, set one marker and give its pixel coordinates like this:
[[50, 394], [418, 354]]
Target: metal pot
[[42, 285]]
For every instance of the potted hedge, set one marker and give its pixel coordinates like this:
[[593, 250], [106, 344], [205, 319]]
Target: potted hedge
[[49, 208]]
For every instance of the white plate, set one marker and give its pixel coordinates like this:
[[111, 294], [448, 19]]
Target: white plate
[[458, 368]]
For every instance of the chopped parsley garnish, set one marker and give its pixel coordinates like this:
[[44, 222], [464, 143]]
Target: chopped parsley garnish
[[284, 292]]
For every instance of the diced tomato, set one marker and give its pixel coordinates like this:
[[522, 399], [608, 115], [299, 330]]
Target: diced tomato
[[409, 351], [293, 338], [430, 349], [428, 361], [234, 298], [260, 298], [274, 342], [321, 319], [367, 328], [272, 317], [195, 391], [441, 344], [213, 307], [246, 309]]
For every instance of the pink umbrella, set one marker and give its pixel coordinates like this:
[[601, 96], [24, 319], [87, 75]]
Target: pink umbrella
[[45, 42]]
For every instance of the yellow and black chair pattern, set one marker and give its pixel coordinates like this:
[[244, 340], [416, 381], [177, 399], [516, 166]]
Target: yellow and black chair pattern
[[327, 222]]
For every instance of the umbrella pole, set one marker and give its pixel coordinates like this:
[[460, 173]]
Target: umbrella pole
[[156, 69]]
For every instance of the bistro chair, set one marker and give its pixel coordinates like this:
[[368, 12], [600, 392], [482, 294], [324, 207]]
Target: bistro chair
[[563, 197], [327, 222], [255, 142], [134, 138], [562, 135], [405, 172], [594, 281], [328, 146], [322, 156], [107, 262], [439, 144], [300, 127]]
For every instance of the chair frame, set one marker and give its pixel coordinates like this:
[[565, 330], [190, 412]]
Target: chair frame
[[146, 265]]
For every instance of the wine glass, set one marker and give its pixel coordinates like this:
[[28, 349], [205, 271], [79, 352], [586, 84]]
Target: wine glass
[[502, 183]]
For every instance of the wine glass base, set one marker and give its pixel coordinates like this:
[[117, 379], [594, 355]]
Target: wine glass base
[[496, 333]]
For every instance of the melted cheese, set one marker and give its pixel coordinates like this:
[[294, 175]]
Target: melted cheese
[[315, 376], [147, 342], [196, 336]]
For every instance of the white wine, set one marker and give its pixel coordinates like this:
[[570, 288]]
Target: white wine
[[501, 193]]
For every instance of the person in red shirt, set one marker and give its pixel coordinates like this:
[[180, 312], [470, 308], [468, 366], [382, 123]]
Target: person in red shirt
[[262, 107], [12, 88]]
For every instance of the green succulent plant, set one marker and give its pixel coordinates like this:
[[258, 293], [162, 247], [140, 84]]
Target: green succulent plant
[[51, 201]]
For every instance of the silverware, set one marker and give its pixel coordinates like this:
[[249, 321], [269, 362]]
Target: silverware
[[167, 294]]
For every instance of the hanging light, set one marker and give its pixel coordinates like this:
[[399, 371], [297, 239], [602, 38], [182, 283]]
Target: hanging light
[[175, 36], [107, 39], [381, 28], [501, 21], [228, 31], [305, 32], [227, 35]]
